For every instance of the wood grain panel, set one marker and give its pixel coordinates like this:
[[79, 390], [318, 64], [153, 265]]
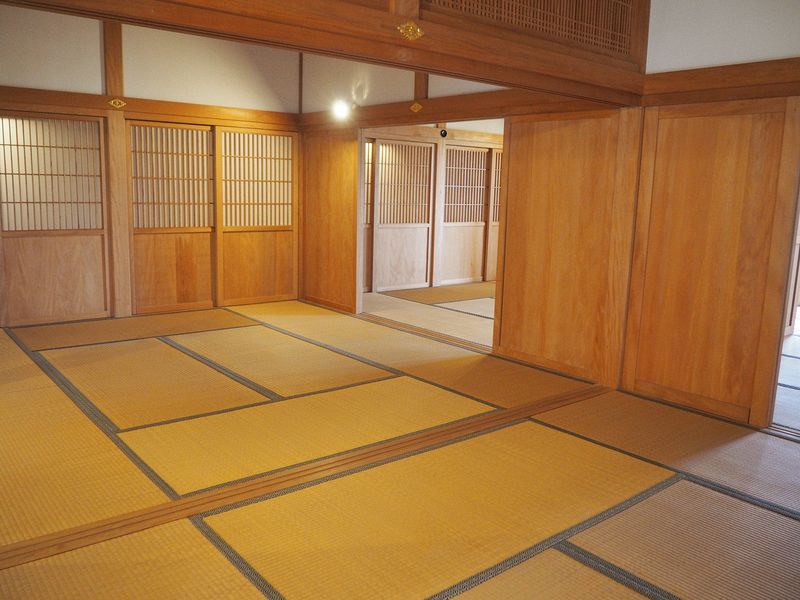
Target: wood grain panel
[[330, 221], [568, 225], [54, 278], [402, 257], [462, 252], [258, 266], [712, 254], [492, 238], [172, 271]]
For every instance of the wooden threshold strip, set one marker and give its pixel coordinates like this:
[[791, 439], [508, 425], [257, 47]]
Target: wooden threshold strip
[[86, 535]]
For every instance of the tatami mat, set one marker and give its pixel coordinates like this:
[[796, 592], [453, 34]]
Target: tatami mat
[[147, 381], [449, 322], [279, 362], [115, 330], [697, 543], [17, 371], [200, 453], [761, 465], [491, 379], [59, 470], [550, 576], [787, 407], [447, 293], [413, 527], [169, 561], [483, 307]]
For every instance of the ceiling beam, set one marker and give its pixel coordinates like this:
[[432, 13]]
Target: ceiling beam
[[358, 32]]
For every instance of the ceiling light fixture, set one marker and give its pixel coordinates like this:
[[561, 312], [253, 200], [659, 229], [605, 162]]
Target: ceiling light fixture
[[341, 110]]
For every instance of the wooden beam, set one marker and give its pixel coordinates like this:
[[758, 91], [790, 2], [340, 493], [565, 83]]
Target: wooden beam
[[765, 79], [420, 86], [340, 28], [404, 8], [112, 59], [452, 108]]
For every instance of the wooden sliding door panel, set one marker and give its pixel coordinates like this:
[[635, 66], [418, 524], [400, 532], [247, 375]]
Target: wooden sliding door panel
[[55, 278], [172, 196], [258, 266], [53, 251], [172, 271], [330, 217], [403, 215], [493, 222], [570, 187], [258, 241], [464, 223], [709, 264]]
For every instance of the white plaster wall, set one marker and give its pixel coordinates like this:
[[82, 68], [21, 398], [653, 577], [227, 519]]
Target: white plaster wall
[[483, 126], [164, 65], [688, 34], [50, 51], [327, 79], [439, 86]]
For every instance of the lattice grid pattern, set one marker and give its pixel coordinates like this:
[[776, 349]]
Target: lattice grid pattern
[[369, 153], [404, 183], [172, 181], [50, 174], [599, 24], [256, 179], [497, 167], [465, 185]]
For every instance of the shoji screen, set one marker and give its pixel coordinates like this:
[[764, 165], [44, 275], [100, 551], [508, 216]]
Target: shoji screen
[[52, 220], [258, 225], [369, 206], [713, 244], [172, 193], [464, 225], [493, 222], [403, 208]]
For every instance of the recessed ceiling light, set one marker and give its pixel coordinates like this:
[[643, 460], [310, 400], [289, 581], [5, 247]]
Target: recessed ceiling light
[[341, 110]]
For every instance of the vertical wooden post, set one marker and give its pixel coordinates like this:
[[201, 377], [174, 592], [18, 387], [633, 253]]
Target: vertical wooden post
[[112, 59], [440, 176], [420, 85], [119, 214], [404, 8], [217, 236]]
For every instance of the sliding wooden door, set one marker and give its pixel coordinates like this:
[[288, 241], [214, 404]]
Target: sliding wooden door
[[256, 237], [402, 233], [172, 193], [713, 242], [53, 243], [569, 190], [463, 227], [493, 218]]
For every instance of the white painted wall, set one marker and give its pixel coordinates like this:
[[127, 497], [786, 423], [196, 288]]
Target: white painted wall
[[164, 65], [688, 34], [327, 79], [50, 51], [484, 126], [439, 86]]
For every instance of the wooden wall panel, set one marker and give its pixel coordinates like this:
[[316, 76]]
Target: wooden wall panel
[[258, 266], [172, 271], [330, 221], [716, 206], [492, 239], [54, 278], [569, 188]]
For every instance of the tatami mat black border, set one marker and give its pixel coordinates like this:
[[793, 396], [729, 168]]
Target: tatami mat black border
[[236, 559], [95, 415], [612, 571], [697, 479], [520, 557]]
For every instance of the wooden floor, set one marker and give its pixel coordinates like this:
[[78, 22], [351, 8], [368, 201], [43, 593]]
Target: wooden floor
[[289, 451]]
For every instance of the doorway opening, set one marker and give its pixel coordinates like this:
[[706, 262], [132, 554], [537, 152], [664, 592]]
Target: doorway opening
[[430, 227], [786, 416]]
